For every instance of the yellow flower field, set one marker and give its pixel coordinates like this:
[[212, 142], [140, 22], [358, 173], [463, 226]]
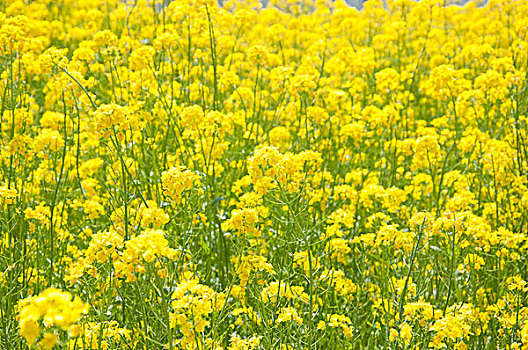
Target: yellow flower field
[[292, 175]]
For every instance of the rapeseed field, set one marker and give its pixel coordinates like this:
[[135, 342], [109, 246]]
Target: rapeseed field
[[284, 175]]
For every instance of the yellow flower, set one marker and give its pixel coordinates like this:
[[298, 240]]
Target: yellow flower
[[30, 330], [52, 307], [177, 181], [289, 314], [48, 341]]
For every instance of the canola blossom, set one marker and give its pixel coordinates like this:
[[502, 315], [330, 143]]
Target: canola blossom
[[284, 174]]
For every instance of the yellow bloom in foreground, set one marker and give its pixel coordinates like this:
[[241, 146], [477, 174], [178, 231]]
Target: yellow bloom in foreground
[[48, 341], [54, 308], [30, 330]]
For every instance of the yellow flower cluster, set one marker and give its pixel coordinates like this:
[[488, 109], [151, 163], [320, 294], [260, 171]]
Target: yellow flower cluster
[[50, 309], [106, 335], [177, 180], [192, 304]]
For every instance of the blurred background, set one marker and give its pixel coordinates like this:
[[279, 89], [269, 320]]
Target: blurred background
[[355, 3]]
